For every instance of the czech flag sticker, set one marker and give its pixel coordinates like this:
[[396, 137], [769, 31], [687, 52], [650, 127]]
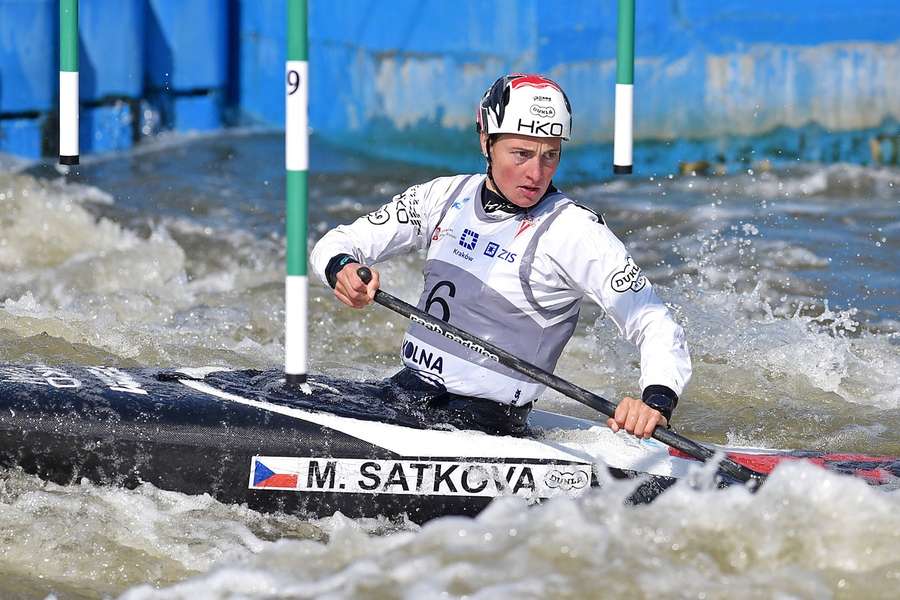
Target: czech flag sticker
[[273, 474]]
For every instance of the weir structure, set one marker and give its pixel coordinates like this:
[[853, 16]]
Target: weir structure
[[718, 83]]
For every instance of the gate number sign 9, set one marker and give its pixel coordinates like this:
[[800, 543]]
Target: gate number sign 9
[[293, 80]]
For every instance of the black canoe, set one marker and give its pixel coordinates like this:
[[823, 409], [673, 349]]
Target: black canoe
[[243, 437]]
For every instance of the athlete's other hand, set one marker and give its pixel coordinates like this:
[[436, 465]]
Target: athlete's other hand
[[351, 290], [636, 418]]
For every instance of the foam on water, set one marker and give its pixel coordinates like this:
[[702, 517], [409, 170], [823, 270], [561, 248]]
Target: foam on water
[[139, 296], [806, 533], [806, 381], [764, 269], [826, 182], [83, 537], [822, 351]]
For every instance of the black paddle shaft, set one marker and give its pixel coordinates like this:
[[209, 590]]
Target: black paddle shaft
[[598, 403]]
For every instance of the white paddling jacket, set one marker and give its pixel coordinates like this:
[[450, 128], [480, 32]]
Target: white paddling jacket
[[515, 280]]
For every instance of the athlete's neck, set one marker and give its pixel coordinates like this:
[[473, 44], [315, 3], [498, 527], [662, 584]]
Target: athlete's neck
[[492, 201]]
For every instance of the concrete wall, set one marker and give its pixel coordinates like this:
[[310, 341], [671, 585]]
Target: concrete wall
[[401, 78]]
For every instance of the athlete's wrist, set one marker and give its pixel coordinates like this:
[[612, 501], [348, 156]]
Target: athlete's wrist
[[661, 398], [335, 265]]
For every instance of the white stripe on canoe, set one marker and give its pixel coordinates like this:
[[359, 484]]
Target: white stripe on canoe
[[407, 441], [565, 438]]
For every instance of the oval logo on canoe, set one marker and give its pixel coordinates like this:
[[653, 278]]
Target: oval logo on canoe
[[567, 480]]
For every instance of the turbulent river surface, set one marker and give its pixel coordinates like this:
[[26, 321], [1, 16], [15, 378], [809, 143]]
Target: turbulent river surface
[[785, 280]]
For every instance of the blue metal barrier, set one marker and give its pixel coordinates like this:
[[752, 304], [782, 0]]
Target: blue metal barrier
[[28, 76], [27, 55], [186, 55], [111, 49], [400, 78]]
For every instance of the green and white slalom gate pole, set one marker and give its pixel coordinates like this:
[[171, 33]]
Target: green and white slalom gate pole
[[624, 132], [297, 163], [68, 82]]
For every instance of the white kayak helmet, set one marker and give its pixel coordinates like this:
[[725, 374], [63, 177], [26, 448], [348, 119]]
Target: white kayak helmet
[[525, 104]]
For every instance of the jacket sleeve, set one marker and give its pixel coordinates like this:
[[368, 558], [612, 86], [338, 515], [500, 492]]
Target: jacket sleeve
[[600, 266], [402, 225]]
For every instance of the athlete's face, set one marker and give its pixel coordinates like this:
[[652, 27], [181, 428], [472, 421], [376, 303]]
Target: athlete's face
[[523, 166]]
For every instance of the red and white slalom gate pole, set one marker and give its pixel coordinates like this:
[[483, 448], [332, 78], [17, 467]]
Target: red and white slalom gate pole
[[297, 164], [68, 82]]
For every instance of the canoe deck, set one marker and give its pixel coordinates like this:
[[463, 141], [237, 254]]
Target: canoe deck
[[338, 445]]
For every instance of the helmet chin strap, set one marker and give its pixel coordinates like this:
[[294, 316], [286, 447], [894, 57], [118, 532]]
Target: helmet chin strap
[[490, 173]]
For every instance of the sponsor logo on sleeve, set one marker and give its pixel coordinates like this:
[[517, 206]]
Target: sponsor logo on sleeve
[[491, 249], [400, 210], [379, 217], [419, 477], [406, 208], [629, 278]]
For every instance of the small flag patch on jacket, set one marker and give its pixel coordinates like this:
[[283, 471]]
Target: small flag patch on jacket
[[271, 476]]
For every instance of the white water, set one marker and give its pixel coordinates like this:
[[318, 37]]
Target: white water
[[806, 534], [784, 282]]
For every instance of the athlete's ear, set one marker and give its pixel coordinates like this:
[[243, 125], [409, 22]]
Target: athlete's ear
[[483, 138]]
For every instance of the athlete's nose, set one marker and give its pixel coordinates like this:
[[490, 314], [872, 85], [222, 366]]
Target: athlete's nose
[[533, 170]]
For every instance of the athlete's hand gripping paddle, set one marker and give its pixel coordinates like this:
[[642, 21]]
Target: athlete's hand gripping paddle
[[666, 436]]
